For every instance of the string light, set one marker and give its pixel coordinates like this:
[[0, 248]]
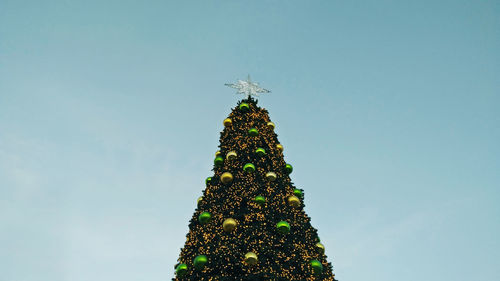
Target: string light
[[257, 203]]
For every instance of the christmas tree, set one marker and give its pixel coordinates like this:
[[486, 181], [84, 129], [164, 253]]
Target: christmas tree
[[250, 222]]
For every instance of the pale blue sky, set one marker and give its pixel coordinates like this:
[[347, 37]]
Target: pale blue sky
[[110, 114]]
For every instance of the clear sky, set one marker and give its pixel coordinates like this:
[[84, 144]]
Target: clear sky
[[110, 114]]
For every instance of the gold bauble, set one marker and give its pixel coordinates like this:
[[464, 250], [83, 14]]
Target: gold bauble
[[228, 225], [251, 258], [227, 122], [231, 155], [279, 147], [293, 201], [320, 247], [199, 199], [226, 178], [217, 153], [271, 176], [270, 125]]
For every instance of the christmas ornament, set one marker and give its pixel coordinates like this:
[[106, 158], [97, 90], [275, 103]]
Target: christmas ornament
[[288, 168], [207, 181], [226, 178], [294, 201], [298, 193], [231, 155], [249, 168], [316, 266], [251, 258], [253, 132], [279, 147], [228, 225], [217, 153], [227, 122], [244, 107], [199, 200], [218, 161], [320, 247], [270, 125], [200, 261], [248, 87], [204, 217], [271, 176], [283, 227], [181, 269], [260, 200], [260, 151]]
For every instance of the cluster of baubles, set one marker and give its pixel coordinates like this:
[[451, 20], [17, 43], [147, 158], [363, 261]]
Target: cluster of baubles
[[199, 263], [251, 258], [227, 177], [230, 224]]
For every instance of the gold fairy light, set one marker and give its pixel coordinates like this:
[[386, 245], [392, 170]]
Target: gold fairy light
[[287, 256]]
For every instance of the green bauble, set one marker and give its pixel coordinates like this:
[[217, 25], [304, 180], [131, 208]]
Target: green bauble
[[317, 267], [181, 269], [244, 107], [260, 151], [208, 180], [200, 261], [298, 193], [260, 200], [218, 161], [249, 168], [288, 168], [253, 132], [283, 227], [204, 217]]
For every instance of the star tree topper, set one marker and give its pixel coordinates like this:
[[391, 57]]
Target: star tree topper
[[248, 87]]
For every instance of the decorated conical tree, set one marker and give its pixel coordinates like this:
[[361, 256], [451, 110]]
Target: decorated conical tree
[[250, 222]]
